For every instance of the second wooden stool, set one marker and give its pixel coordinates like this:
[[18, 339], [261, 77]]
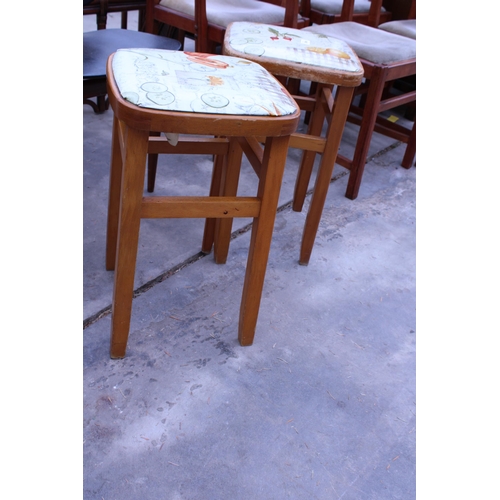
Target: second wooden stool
[[298, 54]]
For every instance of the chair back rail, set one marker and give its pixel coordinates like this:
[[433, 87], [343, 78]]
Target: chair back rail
[[206, 35]]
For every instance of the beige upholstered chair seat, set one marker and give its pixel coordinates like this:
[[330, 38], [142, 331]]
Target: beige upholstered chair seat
[[335, 6], [404, 27], [371, 44], [222, 12]]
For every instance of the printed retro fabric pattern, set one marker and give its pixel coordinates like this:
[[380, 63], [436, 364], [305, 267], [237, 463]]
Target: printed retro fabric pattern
[[199, 83], [297, 46]]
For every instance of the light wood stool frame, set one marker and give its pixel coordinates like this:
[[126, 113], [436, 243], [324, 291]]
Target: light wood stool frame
[[133, 139]]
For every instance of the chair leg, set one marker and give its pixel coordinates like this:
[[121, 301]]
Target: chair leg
[[370, 112], [134, 169], [270, 179], [308, 157], [411, 148], [341, 107]]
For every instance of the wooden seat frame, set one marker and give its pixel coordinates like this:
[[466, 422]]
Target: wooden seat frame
[[132, 141]]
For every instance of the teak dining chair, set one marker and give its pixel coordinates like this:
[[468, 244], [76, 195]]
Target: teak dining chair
[[220, 103], [207, 20], [386, 57]]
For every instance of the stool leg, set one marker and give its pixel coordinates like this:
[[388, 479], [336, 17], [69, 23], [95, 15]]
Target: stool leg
[[308, 157], [134, 169], [334, 135], [152, 166], [229, 187], [209, 232], [115, 181], [270, 179]]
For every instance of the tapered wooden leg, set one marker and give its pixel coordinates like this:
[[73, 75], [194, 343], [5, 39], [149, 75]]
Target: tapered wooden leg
[[411, 148], [308, 157], [368, 120], [215, 189], [134, 166], [152, 167], [334, 135], [115, 182], [262, 229], [229, 184]]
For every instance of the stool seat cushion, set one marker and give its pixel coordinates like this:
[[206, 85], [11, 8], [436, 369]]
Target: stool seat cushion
[[290, 45], [372, 44], [222, 12], [403, 27], [198, 83]]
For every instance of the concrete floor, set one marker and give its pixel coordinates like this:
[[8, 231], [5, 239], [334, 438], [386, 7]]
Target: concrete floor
[[322, 406]]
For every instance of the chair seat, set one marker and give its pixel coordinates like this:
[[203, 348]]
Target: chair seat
[[99, 45], [294, 53], [403, 27], [223, 12], [198, 83], [335, 6], [372, 44]]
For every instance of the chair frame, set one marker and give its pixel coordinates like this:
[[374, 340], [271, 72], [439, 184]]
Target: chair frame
[[376, 98]]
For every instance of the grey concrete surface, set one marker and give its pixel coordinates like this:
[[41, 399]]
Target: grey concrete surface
[[322, 406]]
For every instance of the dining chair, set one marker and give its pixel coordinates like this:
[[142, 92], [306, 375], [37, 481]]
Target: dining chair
[[101, 8], [207, 20], [386, 57], [204, 104], [330, 11]]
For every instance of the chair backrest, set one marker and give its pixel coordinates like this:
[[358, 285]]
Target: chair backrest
[[412, 14], [373, 16], [291, 11], [290, 20]]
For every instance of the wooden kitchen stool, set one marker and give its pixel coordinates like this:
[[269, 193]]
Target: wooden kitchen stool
[[228, 99], [298, 54]]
